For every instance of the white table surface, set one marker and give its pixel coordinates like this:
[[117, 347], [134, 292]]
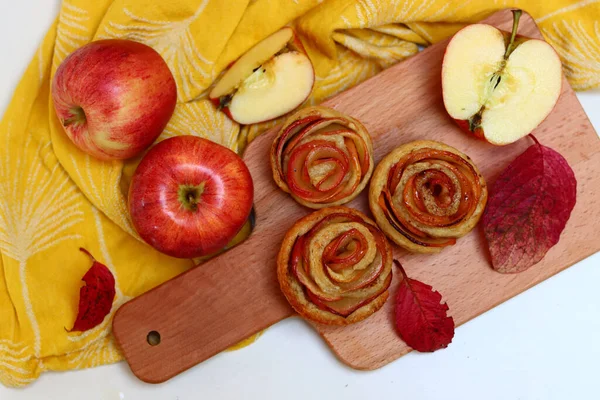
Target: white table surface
[[542, 344]]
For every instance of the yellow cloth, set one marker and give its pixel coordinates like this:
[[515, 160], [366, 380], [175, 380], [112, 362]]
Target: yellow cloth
[[55, 199]]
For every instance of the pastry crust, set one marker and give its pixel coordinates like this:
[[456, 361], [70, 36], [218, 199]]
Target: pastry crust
[[294, 290], [430, 233], [354, 129]]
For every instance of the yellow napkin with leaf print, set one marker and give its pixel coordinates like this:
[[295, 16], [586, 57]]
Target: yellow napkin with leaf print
[[55, 199]]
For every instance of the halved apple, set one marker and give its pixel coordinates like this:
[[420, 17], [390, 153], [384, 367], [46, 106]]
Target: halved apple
[[497, 86], [271, 79]]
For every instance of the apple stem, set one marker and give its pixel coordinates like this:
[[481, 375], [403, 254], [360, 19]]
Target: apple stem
[[77, 117], [190, 196], [224, 101], [511, 44]]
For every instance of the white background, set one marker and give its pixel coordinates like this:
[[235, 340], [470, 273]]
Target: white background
[[542, 344]]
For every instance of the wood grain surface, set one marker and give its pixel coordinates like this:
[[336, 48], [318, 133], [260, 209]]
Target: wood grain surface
[[227, 299]]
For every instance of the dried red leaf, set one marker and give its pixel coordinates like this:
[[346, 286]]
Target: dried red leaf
[[96, 297], [421, 317], [528, 208]]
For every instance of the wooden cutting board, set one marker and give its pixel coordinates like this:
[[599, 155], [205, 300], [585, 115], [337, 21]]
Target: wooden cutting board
[[207, 309]]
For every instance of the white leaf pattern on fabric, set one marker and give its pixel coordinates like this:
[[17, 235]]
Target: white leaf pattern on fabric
[[14, 355], [569, 8], [71, 32], [107, 201], [103, 351], [373, 13], [199, 118], [581, 57], [175, 43], [339, 79], [36, 223]]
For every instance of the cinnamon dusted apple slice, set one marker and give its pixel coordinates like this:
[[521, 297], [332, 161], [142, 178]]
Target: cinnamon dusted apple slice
[[499, 87], [348, 305], [425, 195], [335, 266], [269, 80], [322, 157]]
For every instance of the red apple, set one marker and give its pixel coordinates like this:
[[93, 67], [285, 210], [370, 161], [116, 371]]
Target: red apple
[[189, 196], [114, 97]]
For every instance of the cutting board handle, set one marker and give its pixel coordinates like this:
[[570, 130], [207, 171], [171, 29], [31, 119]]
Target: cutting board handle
[[202, 311]]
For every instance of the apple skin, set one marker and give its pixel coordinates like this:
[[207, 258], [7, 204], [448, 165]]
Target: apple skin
[[217, 102], [114, 97], [464, 125], [189, 197]]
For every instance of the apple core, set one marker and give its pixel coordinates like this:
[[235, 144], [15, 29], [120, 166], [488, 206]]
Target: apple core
[[190, 196], [77, 117]]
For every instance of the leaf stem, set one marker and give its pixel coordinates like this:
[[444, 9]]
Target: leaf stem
[[534, 139], [77, 117], [402, 271], [88, 253]]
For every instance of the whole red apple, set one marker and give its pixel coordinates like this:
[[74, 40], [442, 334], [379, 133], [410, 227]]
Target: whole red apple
[[189, 196], [114, 97]]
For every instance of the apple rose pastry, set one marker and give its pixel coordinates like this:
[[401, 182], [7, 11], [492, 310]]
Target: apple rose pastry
[[322, 157], [425, 194], [335, 266]]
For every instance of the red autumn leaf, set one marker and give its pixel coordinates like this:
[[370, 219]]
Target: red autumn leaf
[[421, 318], [528, 208], [96, 297]]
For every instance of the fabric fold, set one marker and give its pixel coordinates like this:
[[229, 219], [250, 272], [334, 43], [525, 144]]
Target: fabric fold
[[55, 199]]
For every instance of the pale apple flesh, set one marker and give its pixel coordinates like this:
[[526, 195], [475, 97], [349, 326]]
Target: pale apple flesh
[[279, 86], [273, 78], [251, 60], [497, 94]]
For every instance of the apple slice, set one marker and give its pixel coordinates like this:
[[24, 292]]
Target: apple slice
[[271, 79], [251, 60], [275, 89], [348, 305], [497, 87]]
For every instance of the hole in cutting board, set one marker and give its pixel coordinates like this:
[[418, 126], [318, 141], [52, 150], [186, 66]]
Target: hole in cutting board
[[153, 338]]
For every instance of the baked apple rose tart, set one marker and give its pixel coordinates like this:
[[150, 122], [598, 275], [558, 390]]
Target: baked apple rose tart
[[425, 195], [322, 157], [335, 266]]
